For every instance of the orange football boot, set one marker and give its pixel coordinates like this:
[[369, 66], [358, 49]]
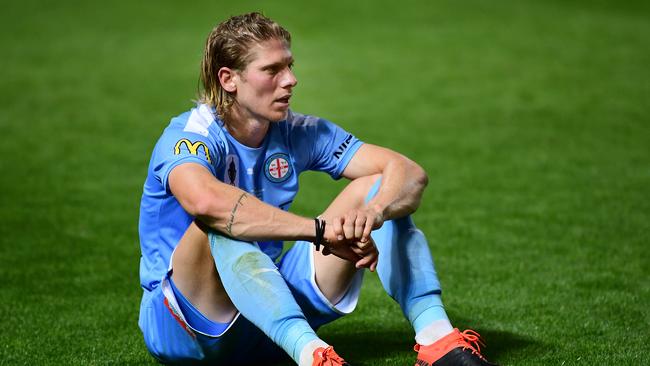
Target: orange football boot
[[455, 349]]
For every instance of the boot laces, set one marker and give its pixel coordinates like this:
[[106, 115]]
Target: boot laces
[[329, 357], [473, 342]]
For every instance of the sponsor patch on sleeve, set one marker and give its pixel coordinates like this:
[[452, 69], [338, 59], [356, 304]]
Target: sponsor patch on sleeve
[[344, 146], [192, 148]]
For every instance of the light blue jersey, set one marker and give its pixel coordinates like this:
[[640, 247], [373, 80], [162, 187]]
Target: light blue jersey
[[270, 172]]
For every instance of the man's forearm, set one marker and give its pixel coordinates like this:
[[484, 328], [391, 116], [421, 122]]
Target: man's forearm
[[233, 211], [251, 219], [402, 185]]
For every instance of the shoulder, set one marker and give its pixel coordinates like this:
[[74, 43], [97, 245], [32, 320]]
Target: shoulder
[[199, 120], [194, 132], [197, 124]]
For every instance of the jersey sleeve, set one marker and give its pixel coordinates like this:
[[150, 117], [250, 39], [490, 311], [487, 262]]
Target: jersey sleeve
[[330, 148], [177, 147]]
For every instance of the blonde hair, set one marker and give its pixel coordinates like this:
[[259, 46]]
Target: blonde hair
[[228, 45]]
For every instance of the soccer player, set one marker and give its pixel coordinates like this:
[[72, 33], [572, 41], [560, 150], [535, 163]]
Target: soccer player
[[213, 218]]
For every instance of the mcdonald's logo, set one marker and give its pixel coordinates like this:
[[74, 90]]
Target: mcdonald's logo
[[192, 147]]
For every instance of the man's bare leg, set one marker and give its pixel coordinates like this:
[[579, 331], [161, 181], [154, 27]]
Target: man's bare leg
[[333, 274], [196, 276]]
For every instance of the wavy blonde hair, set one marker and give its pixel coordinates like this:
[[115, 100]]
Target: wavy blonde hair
[[228, 45]]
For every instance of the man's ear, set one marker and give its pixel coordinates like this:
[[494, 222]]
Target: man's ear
[[227, 78]]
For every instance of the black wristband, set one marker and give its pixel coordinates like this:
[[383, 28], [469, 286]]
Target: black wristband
[[320, 232]]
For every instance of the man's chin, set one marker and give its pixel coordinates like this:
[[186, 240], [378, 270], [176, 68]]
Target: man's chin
[[280, 116]]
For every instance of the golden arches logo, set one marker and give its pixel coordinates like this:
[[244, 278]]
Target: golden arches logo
[[192, 147]]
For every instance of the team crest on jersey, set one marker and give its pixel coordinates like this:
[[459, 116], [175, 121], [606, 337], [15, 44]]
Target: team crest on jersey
[[277, 168], [232, 170]]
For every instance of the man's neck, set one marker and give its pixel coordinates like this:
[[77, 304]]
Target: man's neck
[[247, 130]]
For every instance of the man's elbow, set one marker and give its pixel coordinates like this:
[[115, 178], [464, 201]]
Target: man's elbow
[[419, 178], [201, 206], [418, 182], [422, 179]]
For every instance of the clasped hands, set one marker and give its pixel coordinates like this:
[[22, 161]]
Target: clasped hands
[[348, 236]]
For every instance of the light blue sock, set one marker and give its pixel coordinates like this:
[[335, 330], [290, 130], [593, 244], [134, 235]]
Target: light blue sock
[[406, 269], [260, 293]]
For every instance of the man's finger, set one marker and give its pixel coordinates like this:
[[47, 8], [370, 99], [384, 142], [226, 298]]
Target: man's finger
[[359, 226], [337, 224], [363, 263], [373, 265], [358, 251], [369, 260], [367, 229], [348, 226]]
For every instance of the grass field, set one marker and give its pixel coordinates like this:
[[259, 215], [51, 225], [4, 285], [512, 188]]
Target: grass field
[[530, 117]]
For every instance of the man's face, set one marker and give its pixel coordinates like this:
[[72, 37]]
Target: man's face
[[265, 86]]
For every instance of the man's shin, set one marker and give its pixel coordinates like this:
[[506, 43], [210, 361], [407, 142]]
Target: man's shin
[[259, 292]]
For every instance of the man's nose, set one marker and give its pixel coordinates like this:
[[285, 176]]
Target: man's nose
[[289, 79]]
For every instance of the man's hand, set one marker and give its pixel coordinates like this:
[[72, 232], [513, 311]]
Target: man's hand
[[357, 224], [362, 254], [348, 236]]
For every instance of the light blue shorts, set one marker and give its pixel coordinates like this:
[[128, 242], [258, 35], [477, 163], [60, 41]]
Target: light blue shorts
[[170, 338]]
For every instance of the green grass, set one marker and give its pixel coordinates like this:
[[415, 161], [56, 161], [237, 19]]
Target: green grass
[[530, 117]]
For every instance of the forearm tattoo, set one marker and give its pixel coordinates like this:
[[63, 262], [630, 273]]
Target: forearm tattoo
[[240, 202]]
